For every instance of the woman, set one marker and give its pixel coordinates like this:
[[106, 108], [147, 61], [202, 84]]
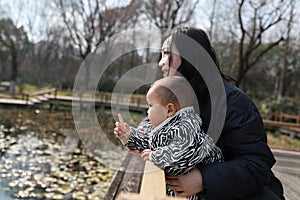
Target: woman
[[246, 172]]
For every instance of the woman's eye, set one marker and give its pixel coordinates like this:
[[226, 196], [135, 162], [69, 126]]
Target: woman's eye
[[165, 53]]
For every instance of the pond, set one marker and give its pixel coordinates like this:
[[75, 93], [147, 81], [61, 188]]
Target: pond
[[42, 158]]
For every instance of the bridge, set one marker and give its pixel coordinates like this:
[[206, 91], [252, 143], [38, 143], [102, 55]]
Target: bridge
[[150, 184], [49, 97]]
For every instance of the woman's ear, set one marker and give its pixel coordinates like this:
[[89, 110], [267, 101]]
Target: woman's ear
[[172, 109]]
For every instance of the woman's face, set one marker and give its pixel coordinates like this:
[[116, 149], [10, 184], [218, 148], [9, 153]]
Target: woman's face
[[168, 66]]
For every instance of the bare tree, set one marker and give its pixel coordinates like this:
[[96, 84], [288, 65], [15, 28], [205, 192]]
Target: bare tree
[[212, 19], [88, 23], [167, 14], [257, 19], [50, 61], [14, 41]]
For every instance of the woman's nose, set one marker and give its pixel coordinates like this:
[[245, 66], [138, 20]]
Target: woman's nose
[[160, 63], [163, 61]]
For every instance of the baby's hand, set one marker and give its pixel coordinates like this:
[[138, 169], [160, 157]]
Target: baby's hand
[[122, 130], [121, 127]]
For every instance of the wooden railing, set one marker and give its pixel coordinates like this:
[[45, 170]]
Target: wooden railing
[[281, 124], [283, 120], [153, 186], [285, 123], [286, 117], [122, 98]]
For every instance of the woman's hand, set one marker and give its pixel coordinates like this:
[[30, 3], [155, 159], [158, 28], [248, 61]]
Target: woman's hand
[[186, 185], [146, 153], [134, 151]]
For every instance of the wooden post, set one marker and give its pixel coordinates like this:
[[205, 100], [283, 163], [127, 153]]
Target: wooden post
[[55, 93], [153, 186], [138, 102], [27, 98], [281, 116]]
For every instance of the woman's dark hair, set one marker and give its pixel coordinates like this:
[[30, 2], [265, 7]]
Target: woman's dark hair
[[188, 71], [201, 38]]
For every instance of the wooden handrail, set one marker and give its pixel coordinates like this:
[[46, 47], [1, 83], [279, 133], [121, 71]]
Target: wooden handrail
[[44, 91], [153, 174], [153, 186], [283, 117], [280, 124]]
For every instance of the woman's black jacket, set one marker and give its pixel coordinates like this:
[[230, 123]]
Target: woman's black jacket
[[246, 172]]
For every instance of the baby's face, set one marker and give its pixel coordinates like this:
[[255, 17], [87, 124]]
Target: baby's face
[[156, 112]]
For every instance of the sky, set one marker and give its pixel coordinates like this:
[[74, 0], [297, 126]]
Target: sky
[[25, 12]]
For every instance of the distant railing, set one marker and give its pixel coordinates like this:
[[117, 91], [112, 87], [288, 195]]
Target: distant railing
[[281, 124], [122, 98], [286, 117], [283, 120], [285, 123], [4, 86], [49, 91]]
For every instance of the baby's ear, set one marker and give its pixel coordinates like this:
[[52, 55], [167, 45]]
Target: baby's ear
[[172, 109]]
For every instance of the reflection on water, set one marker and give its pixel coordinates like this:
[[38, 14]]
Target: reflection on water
[[49, 166]]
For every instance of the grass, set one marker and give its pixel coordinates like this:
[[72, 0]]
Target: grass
[[280, 141]]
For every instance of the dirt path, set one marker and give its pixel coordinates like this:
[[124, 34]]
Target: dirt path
[[287, 169]]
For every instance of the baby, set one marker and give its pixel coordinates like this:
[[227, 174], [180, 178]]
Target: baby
[[173, 139]]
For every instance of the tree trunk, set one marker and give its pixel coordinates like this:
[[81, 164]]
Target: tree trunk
[[14, 68], [280, 93]]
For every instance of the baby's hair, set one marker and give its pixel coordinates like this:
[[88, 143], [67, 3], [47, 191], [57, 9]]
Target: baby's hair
[[174, 89]]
